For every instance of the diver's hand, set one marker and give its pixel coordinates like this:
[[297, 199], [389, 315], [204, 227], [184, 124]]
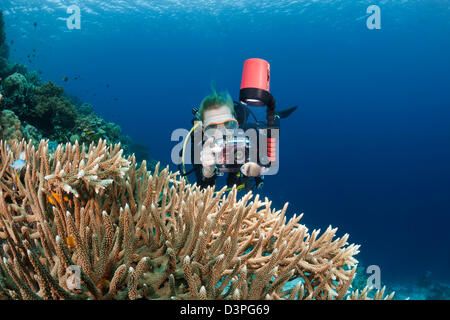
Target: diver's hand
[[252, 169], [208, 158]]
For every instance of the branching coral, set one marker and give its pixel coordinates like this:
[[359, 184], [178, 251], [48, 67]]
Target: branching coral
[[135, 234]]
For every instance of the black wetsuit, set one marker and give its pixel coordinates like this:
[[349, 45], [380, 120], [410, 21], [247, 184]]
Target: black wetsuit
[[233, 178]]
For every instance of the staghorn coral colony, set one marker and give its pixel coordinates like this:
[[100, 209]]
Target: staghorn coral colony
[[133, 233]]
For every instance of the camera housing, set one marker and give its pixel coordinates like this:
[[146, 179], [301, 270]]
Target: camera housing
[[235, 152]]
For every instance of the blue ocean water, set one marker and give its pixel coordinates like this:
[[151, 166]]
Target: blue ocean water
[[367, 151]]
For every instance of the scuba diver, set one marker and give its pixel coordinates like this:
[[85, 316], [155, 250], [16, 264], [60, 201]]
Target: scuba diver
[[221, 119]]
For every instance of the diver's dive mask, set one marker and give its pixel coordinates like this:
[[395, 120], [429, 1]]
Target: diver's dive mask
[[226, 127]]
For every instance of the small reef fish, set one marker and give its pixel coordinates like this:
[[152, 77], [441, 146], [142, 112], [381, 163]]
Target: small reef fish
[[18, 164], [71, 242], [89, 132], [65, 79], [57, 196]]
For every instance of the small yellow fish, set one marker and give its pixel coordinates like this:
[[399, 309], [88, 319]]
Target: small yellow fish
[[65, 79], [88, 132], [71, 242]]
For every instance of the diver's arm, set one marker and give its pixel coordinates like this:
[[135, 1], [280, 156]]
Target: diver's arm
[[206, 171], [208, 158], [203, 181]]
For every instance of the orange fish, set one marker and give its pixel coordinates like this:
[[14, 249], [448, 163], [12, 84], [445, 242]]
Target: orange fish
[[57, 197], [71, 242]]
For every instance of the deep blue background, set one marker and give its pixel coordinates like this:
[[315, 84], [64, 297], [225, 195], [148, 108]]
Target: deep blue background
[[368, 149]]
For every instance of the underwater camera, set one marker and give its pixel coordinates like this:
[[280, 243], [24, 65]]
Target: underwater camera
[[235, 152]]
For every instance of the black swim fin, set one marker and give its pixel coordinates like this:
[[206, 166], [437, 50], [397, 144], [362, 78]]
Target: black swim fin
[[285, 113]]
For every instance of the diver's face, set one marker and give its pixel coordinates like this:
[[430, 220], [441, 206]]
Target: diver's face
[[218, 122]]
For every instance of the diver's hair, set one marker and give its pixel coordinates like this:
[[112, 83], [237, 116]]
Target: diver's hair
[[215, 99]]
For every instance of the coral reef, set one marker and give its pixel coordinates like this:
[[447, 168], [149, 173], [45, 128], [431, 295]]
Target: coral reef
[[31, 133], [432, 289], [15, 85], [422, 288], [85, 109], [7, 68], [53, 112], [90, 128], [45, 110], [4, 49], [132, 233], [10, 127]]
